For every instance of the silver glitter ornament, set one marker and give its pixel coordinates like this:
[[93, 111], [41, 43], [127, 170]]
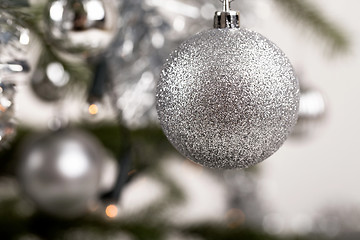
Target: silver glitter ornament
[[61, 171], [82, 27], [227, 97]]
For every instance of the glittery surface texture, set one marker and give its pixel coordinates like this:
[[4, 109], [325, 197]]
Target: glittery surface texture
[[227, 98]]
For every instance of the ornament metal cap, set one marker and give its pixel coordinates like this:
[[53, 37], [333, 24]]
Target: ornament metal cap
[[227, 18]]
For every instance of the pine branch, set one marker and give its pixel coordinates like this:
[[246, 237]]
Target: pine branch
[[15, 226], [302, 11], [5, 4]]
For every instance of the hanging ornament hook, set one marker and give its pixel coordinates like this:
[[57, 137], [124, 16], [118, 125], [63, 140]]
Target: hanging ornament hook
[[226, 18], [226, 5]]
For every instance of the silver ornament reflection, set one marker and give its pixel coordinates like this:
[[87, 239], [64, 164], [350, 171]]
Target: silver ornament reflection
[[49, 81], [7, 131], [227, 98], [61, 171], [149, 30], [84, 27], [7, 93], [312, 111], [14, 45]]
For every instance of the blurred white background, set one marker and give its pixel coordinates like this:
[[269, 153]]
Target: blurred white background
[[304, 177]]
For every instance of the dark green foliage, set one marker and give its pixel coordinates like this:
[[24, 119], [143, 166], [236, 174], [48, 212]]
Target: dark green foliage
[[149, 145], [13, 226], [6, 4]]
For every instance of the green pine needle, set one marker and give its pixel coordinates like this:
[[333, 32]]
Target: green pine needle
[[6, 4], [308, 14]]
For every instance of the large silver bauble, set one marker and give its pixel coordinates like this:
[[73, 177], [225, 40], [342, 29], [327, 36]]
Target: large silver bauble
[[61, 171], [82, 27], [227, 98]]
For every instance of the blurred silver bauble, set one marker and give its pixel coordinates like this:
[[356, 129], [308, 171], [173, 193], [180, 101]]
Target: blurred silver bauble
[[227, 98], [82, 27], [14, 45], [49, 81], [61, 171], [149, 30], [312, 111], [7, 93], [109, 173]]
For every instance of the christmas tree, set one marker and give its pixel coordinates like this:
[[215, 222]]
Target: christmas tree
[[87, 158]]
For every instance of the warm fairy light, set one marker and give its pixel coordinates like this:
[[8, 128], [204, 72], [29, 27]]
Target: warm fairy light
[[111, 211], [235, 217], [93, 109]]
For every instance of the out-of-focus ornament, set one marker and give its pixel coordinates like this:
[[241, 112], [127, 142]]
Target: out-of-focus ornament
[[227, 97], [7, 93], [85, 27], [49, 81], [61, 171], [109, 174], [312, 111], [149, 30], [14, 45]]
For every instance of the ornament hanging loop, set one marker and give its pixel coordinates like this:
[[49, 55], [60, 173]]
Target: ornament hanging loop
[[227, 18], [226, 5]]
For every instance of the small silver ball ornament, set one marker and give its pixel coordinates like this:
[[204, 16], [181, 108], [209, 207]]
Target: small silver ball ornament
[[61, 171], [227, 98], [312, 112], [49, 81], [82, 27]]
